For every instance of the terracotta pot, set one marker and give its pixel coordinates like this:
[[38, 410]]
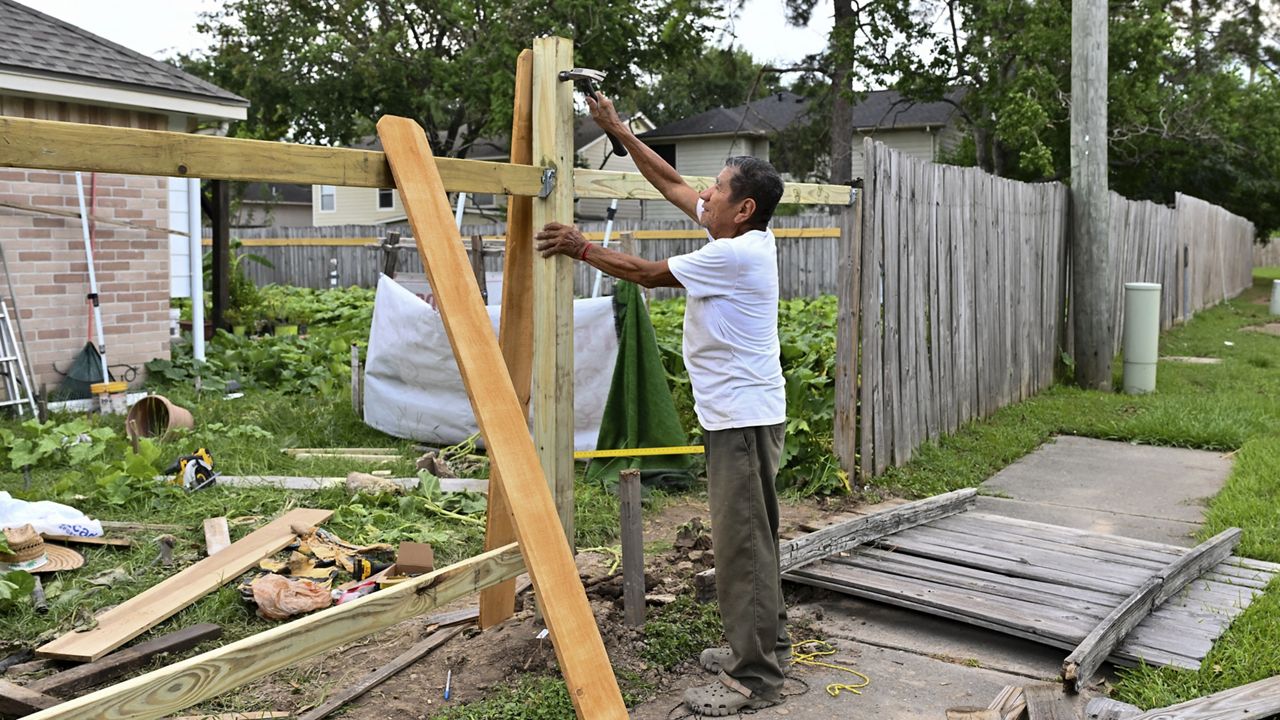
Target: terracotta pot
[[156, 416]]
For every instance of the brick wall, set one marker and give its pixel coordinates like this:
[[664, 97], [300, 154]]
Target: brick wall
[[45, 255]]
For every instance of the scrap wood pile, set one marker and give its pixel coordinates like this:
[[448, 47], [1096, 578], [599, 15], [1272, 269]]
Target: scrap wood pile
[[289, 566]]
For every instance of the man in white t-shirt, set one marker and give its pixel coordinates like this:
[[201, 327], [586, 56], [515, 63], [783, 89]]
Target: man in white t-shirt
[[732, 356]]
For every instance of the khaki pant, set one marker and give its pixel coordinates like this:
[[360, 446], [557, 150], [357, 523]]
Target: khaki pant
[[742, 464]]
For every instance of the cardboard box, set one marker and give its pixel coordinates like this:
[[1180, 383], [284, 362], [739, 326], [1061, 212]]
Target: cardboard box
[[413, 559]]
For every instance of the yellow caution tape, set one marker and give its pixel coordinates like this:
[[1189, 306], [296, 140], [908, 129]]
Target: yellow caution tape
[[638, 452]]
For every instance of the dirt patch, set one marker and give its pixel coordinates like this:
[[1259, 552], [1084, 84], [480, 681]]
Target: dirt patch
[[678, 547], [1269, 328]]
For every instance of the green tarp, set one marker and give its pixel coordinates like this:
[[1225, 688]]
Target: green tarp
[[640, 412]]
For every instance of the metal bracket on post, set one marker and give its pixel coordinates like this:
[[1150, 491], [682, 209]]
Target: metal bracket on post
[[548, 182], [390, 254]]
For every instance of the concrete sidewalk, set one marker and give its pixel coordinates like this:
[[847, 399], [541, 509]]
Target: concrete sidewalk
[[921, 665]]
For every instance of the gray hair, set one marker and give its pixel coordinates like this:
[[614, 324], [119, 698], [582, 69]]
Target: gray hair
[[756, 179]]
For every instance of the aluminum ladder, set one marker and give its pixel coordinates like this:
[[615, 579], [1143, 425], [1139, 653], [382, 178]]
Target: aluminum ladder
[[17, 383]]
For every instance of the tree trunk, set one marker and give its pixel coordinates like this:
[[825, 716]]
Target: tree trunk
[[842, 170]]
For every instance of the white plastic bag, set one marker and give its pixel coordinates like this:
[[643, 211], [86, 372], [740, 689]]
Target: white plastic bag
[[47, 517], [412, 387]]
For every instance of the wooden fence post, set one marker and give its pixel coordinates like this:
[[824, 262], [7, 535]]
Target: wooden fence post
[[848, 315], [632, 547], [553, 277]]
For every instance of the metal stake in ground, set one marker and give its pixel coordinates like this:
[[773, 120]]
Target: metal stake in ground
[[93, 278]]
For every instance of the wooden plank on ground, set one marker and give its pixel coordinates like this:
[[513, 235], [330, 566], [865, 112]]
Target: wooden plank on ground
[[77, 540], [377, 677], [1254, 701], [118, 663], [18, 700], [174, 687], [828, 541], [1047, 702], [144, 611], [515, 329], [1085, 660], [217, 536], [288, 482], [579, 649]]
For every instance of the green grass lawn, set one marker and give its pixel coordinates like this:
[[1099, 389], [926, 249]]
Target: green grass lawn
[[1231, 406]]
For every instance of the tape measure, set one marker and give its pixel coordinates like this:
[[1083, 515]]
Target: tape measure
[[638, 452]]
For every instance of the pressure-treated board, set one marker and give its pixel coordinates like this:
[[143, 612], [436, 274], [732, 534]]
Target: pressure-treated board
[[144, 611], [588, 674], [174, 687], [553, 278], [49, 145], [515, 329], [633, 186]]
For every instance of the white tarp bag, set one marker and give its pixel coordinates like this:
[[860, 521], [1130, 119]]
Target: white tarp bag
[[412, 387], [47, 517]]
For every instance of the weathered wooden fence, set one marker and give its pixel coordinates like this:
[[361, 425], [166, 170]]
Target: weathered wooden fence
[[960, 287], [1267, 255], [956, 302], [311, 256]]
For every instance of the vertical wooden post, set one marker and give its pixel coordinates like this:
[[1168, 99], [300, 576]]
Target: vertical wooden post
[[632, 547], [1092, 297], [849, 294], [553, 277], [221, 288], [515, 333]]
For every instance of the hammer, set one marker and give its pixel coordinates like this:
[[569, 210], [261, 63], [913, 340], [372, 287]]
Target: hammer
[[589, 78]]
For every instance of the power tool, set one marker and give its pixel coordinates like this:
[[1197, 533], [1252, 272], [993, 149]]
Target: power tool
[[194, 471]]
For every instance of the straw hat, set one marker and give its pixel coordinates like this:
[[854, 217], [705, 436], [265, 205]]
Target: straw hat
[[29, 552]]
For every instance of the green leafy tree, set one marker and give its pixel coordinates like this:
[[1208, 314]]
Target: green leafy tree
[[1190, 89], [722, 77], [323, 72]]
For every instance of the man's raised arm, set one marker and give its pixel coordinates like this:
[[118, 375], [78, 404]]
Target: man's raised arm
[[656, 170]]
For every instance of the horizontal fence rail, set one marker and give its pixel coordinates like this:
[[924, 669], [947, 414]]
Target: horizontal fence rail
[[349, 254]]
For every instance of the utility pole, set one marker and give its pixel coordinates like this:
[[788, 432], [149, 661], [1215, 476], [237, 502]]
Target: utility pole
[[1092, 299]]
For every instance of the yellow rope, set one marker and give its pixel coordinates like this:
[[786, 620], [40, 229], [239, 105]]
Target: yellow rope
[[823, 649]]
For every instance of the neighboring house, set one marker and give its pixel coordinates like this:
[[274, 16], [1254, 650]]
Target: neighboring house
[[700, 144], [337, 205], [273, 205], [51, 70], [926, 130], [595, 151]]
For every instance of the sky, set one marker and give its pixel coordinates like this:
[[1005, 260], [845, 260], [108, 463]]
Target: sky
[[161, 28]]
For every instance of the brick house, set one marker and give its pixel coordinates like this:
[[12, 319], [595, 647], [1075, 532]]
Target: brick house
[[51, 70]]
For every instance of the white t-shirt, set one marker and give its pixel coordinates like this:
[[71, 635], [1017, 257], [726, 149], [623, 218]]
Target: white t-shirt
[[731, 331]]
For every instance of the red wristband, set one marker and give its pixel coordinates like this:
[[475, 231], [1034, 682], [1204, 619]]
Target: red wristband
[[585, 248]]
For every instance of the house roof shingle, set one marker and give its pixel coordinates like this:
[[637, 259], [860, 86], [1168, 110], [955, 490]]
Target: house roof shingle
[[758, 117], [33, 43], [886, 110]]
